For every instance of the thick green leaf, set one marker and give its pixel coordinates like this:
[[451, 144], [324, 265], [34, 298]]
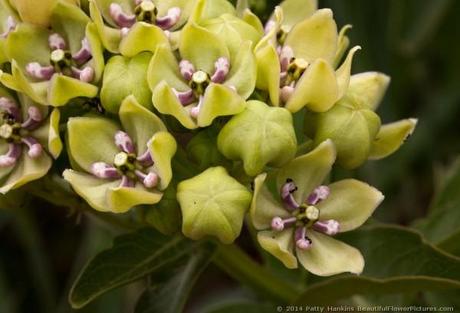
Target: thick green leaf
[[442, 226], [132, 256], [171, 296], [397, 260]]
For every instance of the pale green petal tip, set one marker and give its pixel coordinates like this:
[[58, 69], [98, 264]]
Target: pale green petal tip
[[391, 137], [213, 204], [351, 203], [367, 89], [343, 72], [122, 199], [263, 205], [163, 147], [62, 89], [328, 256], [280, 245], [54, 140], [258, 136]]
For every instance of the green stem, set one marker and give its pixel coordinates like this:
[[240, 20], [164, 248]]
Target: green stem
[[241, 267]]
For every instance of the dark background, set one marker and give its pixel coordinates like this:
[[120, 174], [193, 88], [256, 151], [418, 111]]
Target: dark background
[[416, 42]]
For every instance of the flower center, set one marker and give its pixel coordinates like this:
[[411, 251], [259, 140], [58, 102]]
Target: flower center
[[199, 82], [304, 216], [127, 165], [146, 11], [282, 34], [295, 69], [62, 61], [17, 132]]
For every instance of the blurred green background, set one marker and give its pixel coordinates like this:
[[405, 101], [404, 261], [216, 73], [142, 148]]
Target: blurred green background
[[415, 42]]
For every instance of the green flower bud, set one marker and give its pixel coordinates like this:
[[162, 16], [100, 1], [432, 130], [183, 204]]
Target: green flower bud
[[213, 204], [259, 136], [134, 81], [353, 125]]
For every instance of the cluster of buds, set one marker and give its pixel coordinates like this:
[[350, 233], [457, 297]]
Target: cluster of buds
[[191, 105]]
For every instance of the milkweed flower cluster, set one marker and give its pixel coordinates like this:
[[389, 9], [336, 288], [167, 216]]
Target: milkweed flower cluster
[[197, 105]]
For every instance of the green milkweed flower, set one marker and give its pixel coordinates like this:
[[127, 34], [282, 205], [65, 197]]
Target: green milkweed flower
[[213, 204], [206, 83], [29, 140], [117, 169], [52, 66], [298, 223], [296, 61], [353, 125]]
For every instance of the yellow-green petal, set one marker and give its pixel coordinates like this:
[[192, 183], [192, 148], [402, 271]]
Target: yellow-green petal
[[309, 170], [317, 89], [390, 137], [219, 100], [164, 67], [342, 44], [121, 199], [62, 89], [166, 102], [314, 37], [135, 41], [263, 206], [350, 202], [162, 147], [110, 37], [343, 72], [26, 170], [93, 190], [367, 89], [91, 139], [279, 244], [295, 11], [140, 123], [201, 47], [328, 256], [243, 71]]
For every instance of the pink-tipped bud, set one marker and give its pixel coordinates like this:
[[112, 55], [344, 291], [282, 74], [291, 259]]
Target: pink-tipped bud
[[37, 71], [56, 41], [124, 142], [119, 17], [286, 194], [222, 67], [319, 194], [84, 54], [170, 19], [35, 148], [186, 69], [328, 227]]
